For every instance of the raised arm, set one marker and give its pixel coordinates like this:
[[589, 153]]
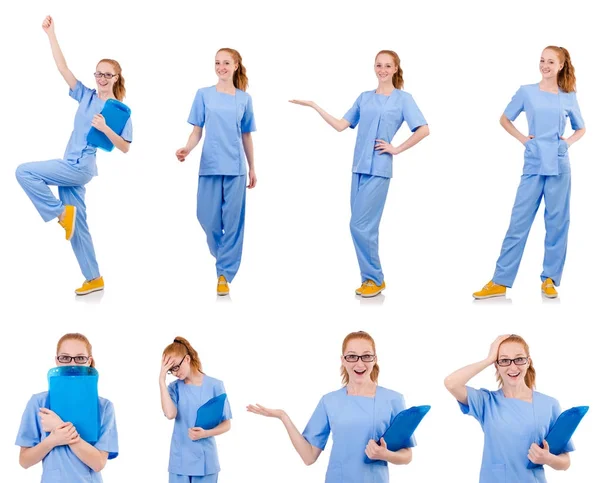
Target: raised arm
[[59, 58], [337, 124], [168, 406]]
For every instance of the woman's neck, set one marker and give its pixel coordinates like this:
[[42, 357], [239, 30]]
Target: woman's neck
[[550, 85], [106, 95], [385, 88], [195, 378], [361, 389], [226, 86], [519, 392]]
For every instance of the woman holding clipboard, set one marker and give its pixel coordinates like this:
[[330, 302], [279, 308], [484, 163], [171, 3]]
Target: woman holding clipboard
[[193, 457], [78, 166], [357, 415]]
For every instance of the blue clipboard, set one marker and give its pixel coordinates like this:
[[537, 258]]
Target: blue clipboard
[[73, 395], [210, 414], [116, 115], [398, 435], [562, 430]]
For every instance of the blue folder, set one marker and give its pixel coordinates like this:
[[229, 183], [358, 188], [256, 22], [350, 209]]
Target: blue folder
[[398, 435], [561, 431], [210, 414], [116, 115], [73, 395]]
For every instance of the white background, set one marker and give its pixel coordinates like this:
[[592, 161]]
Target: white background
[[277, 339]]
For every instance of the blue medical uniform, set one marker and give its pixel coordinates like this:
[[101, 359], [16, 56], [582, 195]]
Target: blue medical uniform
[[194, 461], [547, 174], [352, 422], [70, 174], [222, 178], [378, 117], [62, 465], [510, 426]]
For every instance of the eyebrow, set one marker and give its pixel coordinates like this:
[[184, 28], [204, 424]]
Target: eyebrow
[[508, 357], [67, 354]]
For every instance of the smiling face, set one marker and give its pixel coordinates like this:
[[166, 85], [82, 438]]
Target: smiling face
[[550, 64], [105, 86], [225, 66], [73, 352], [359, 371], [385, 67], [513, 374]]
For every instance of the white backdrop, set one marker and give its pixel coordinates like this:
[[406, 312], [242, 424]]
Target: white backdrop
[[277, 339]]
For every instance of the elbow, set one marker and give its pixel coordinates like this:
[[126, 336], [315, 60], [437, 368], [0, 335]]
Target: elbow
[[503, 120], [409, 456], [582, 131], [448, 383], [425, 130], [309, 461], [125, 147], [98, 467], [226, 425], [24, 463], [170, 415]]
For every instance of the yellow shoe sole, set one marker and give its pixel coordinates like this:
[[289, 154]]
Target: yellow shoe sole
[[374, 294], [89, 291], [73, 223], [549, 296], [483, 297]]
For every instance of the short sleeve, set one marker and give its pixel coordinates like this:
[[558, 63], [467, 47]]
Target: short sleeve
[[227, 407], [248, 123], [127, 133], [516, 105], [317, 430], [412, 114], [30, 431], [556, 412], [79, 91], [477, 399], [575, 115], [198, 112], [108, 440], [353, 115], [173, 392]]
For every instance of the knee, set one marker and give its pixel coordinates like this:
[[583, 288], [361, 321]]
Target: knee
[[21, 172]]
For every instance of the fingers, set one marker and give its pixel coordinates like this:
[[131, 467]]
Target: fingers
[[45, 411], [546, 445]]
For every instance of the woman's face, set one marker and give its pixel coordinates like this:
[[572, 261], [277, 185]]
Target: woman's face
[[73, 353], [181, 366], [103, 71], [359, 370], [225, 66], [512, 364], [385, 68], [549, 64]]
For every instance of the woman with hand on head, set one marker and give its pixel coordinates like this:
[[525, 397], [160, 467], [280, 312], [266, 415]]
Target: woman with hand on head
[[193, 457], [225, 111], [44, 436], [515, 418], [357, 415], [379, 114], [78, 166], [546, 173]]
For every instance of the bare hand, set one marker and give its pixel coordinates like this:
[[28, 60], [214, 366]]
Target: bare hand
[[251, 179], [528, 138], [197, 433], [64, 434], [384, 147], [182, 153], [566, 140], [49, 419], [376, 452], [48, 25], [99, 123], [303, 103], [493, 355], [537, 455], [167, 363], [263, 411]]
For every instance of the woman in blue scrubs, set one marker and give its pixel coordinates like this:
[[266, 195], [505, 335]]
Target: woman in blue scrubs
[[515, 419], [225, 111], [546, 172], [379, 115], [44, 437], [193, 457], [78, 166], [357, 415]]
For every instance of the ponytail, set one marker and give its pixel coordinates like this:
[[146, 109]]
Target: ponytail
[[240, 79], [181, 347], [119, 85], [397, 78], [566, 76]]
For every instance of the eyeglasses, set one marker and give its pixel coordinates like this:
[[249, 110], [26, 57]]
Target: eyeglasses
[[519, 361], [63, 359], [176, 367], [106, 75], [355, 358]]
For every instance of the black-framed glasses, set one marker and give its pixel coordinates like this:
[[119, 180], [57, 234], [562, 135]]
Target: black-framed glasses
[[106, 75], [356, 357], [64, 359], [519, 361], [176, 367]]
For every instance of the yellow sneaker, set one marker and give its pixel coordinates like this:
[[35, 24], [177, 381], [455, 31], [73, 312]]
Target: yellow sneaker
[[370, 288], [222, 286], [490, 290], [91, 286], [359, 290], [68, 221], [548, 289]]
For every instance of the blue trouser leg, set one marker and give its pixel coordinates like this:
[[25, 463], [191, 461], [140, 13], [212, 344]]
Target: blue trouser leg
[[557, 196], [367, 201], [221, 213], [213, 478], [527, 202]]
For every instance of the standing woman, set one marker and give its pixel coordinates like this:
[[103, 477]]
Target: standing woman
[[44, 437], [78, 166], [546, 173], [226, 110], [515, 419], [357, 415], [379, 115], [193, 457]]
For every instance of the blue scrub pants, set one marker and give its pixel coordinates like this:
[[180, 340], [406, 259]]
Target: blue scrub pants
[[367, 201], [556, 191], [35, 178], [221, 213], [173, 478]]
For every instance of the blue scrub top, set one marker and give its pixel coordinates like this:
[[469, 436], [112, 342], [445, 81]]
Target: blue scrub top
[[510, 426], [61, 465], [353, 421], [226, 118], [380, 117], [547, 113], [78, 151], [194, 458]]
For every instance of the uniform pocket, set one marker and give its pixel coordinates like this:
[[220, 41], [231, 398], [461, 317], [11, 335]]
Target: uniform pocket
[[493, 473], [531, 149], [563, 147]]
